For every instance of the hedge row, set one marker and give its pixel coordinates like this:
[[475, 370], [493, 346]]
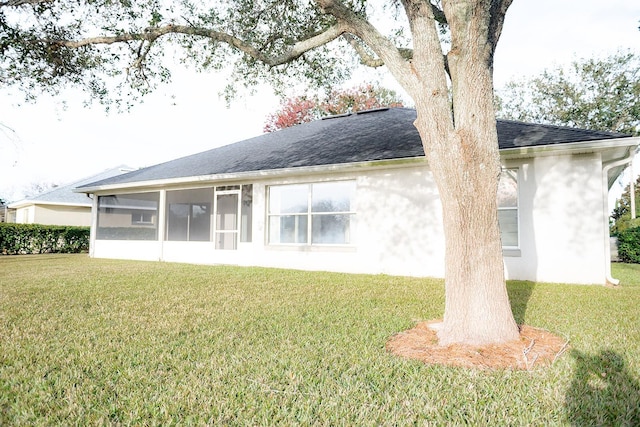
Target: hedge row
[[16, 239], [629, 245]]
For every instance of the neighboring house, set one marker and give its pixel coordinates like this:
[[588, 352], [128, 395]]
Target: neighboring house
[[354, 193], [61, 205], [4, 211]]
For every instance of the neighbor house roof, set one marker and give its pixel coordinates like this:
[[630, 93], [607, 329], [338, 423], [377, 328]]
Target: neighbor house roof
[[382, 134], [64, 195]]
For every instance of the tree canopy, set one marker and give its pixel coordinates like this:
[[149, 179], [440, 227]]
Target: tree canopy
[[598, 94], [301, 109], [46, 45]]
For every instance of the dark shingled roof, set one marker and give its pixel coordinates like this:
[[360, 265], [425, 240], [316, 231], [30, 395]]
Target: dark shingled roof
[[382, 134]]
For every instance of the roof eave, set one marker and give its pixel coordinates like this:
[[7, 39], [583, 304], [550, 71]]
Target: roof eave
[[25, 203], [569, 148], [264, 174], [505, 154]]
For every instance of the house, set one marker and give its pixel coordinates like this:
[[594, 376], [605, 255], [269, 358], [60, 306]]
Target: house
[[4, 211], [354, 193], [60, 205]]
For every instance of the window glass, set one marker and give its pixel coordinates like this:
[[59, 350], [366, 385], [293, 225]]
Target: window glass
[[246, 215], [332, 196], [508, 219], [289, 199], [227, 187], [331, 229], [288, 229], [508, 189], [128, 217], [508, 207], [291, 220]]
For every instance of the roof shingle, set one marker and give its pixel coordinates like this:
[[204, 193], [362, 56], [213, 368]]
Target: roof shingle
[[382, 134]]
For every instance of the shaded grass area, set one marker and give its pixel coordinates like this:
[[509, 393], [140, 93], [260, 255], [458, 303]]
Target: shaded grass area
[[88, 341]]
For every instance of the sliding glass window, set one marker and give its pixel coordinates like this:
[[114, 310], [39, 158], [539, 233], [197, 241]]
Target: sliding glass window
[[312, 214]]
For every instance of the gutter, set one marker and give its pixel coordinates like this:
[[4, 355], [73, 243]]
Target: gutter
[[261, 174], [567, 148], [626, 159]]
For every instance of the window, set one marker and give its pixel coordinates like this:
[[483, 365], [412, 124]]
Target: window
[[189, 215], [312, 214], [142, 218], [128, 217], [508, 208]]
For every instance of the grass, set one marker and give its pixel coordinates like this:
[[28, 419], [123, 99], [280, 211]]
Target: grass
[[88, 341]]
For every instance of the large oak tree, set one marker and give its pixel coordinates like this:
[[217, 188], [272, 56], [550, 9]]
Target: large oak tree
[[441, 53]]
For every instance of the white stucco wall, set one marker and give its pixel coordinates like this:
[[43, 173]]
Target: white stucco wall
[[54, 215], [561, 220], [25, 215], [398, 226]]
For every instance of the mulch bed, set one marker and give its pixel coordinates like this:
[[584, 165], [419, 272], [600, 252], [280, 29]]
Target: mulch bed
[[536, 348]]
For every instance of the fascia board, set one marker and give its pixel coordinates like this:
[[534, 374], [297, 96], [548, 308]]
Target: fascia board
[[240, 176], [569, 148], [25, 203]]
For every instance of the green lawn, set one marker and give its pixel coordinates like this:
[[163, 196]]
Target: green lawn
[[86, 341]]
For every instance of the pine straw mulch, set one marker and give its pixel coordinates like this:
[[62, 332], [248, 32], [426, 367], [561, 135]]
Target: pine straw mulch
[[536, 348]]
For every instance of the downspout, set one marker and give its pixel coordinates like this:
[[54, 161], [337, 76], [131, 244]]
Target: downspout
[[627, 158]]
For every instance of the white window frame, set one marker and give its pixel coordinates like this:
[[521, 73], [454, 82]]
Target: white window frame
[[510, 249], [309, 215]]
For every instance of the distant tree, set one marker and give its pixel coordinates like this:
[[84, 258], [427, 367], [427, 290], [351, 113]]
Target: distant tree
[[293, 111], [621, 214], [34, 188], [592, 94], [297, 110]]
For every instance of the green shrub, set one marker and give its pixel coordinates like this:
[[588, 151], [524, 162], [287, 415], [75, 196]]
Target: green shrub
[[16, 239], [629, 245]]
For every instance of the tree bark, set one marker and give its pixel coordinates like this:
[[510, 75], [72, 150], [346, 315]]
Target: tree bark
[[461, 144], [477, 308]]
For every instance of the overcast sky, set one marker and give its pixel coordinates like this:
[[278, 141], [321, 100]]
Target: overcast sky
[[47, 143]]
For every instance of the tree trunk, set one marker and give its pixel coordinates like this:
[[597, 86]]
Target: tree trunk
[[462, 150]]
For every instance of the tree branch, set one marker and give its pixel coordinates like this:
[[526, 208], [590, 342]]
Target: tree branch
[[498, 12], [357, 25], [152, 34], [369, 60], [16, 3]]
